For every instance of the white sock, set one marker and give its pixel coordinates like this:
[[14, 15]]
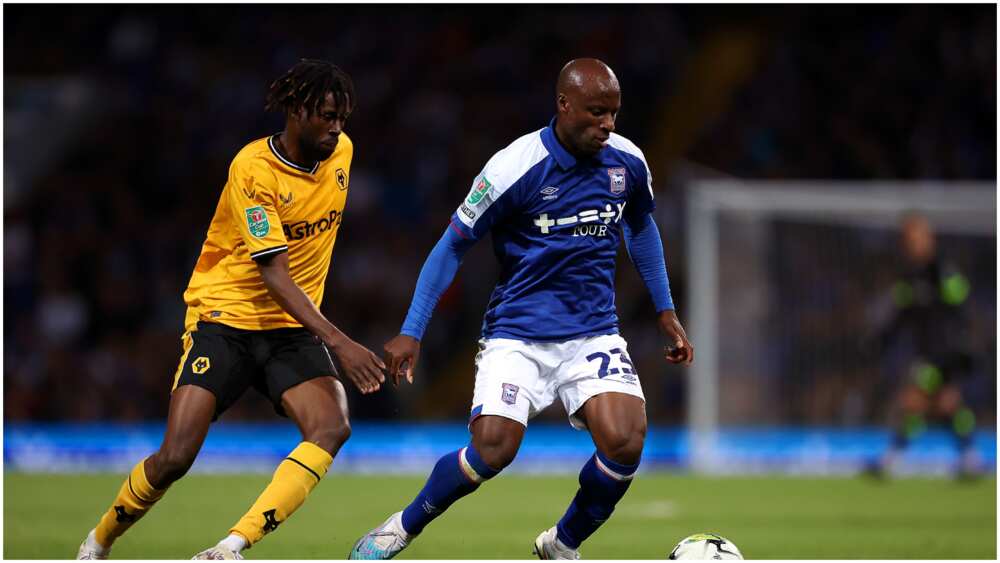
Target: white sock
[[93, 545], [560, 545], [234, 542], [398, 522]]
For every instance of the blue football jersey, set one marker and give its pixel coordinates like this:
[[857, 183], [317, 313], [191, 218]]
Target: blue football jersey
[[556, 223]]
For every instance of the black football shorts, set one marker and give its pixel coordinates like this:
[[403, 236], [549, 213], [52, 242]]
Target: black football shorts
[[227, 361]]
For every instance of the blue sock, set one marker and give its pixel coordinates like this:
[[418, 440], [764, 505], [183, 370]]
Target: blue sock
[[602, 484], [455, 475]]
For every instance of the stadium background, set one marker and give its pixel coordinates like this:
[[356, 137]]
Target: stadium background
[[120, 122]]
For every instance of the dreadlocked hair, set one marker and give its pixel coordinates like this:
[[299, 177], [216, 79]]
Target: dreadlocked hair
[[306, 84]]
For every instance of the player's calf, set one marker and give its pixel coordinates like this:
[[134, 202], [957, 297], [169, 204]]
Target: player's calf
[[319, 408], [296, 476], [455, 475], [191, 410], [135, 497], [603, 482]]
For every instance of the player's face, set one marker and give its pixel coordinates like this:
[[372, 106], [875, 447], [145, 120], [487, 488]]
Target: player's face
[[321, 130], [918, 240], [590, 119]]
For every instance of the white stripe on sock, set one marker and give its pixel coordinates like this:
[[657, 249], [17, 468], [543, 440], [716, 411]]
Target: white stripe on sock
[[610, 472], [467, 468]]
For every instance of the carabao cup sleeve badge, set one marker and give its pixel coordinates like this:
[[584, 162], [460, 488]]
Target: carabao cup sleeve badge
[[480, 191], [257, 221]]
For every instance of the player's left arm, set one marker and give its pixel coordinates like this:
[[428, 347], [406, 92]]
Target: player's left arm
[[359, 364], [645, 248]]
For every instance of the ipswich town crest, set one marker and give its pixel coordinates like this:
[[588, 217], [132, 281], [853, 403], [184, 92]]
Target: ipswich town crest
[[509, 394], [617, 176]]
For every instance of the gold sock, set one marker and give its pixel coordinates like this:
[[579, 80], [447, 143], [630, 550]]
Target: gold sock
[[292, 482], [134, 499]]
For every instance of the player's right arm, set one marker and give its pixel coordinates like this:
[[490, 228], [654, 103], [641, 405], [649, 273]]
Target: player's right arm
[[250, 195], [436, 275], [488, 202]]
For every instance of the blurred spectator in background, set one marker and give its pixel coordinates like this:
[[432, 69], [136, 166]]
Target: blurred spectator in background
[[120, 120]]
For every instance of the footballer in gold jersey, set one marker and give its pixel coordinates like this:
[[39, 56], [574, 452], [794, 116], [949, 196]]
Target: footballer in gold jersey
[[253, 318], [270, 205]]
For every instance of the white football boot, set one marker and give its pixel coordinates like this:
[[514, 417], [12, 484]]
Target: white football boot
[[384, 542], [90, 549], [548, 546], [218, 553]]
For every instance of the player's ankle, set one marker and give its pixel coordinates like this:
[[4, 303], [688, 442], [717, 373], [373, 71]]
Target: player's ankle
[[234, 542], [96, 546]]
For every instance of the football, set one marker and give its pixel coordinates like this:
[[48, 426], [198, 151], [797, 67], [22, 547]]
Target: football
[[705, 546]]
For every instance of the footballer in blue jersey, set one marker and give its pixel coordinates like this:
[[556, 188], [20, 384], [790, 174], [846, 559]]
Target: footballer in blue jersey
[[556, 202], [555, 223]]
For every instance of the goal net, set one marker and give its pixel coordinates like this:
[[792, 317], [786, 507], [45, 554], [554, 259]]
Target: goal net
[[788, 283]]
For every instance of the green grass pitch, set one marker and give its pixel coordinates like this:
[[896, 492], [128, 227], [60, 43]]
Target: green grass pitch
[[46, 516]]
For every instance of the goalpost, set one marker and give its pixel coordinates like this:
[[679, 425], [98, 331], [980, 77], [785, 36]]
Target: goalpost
[[753, 247]]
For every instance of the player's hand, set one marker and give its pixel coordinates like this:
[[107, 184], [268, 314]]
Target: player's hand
[[401, 354], [678, 349], [359, 364]]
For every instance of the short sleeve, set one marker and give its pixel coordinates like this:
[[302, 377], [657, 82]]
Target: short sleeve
[[498, 190], [640, 202], [488, 202], [250, 196]]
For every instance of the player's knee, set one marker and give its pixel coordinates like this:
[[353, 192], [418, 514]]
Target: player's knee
[[499, 452], [170, 464], [331, 436], [497, 440], [625, 446], [498, 457]]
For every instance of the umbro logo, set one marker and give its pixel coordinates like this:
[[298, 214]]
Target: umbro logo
[[549, 193]]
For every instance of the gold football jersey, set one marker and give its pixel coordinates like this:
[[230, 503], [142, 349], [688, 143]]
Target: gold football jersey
[[268, 205]]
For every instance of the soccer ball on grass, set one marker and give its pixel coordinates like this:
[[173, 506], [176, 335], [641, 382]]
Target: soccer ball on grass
[[705, 546]]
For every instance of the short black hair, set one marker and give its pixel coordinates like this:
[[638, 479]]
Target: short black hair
[[306, 84]]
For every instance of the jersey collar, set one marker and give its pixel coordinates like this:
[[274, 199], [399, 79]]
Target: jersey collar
[[551, 143], [274, 149]]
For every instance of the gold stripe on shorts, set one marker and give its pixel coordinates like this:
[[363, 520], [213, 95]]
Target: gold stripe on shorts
[[188, 342]]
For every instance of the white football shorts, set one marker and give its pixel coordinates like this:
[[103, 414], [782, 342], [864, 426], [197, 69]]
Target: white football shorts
[[517, 379]]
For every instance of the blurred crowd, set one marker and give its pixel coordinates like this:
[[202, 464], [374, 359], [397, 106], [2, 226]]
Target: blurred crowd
[[101, 237]]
